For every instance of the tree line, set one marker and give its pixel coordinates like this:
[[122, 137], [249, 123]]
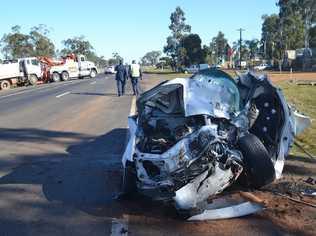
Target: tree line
[[16, 44], [294, 27]]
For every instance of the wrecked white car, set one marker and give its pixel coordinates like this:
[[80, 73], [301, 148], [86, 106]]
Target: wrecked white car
[[193, 138]]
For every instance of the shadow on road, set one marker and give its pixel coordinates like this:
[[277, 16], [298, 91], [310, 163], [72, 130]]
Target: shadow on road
[[101, 94], [36, 135], [97, 94], [88, 177]]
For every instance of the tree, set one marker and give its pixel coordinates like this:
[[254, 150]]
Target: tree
[[209, 56], [179, 29], [16, 44], [115, 59], [312, 34], [270, 36], [305, 10], [77, 45], [218, 47], [151, 58], [42, 45], [253, 48], [193, 53]]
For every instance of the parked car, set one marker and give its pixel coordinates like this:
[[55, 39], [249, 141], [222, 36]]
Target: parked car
[[110, 70], [193, 138], [262, 67], [216, 66], [195, 68]]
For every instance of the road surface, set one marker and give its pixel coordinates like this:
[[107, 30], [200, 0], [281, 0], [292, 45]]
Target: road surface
[[60, 151]]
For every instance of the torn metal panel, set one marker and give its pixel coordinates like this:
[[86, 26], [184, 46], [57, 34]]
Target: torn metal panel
[[239, 210]]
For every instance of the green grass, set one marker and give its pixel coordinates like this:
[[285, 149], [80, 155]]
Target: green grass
[[154, 70], [303, 97]]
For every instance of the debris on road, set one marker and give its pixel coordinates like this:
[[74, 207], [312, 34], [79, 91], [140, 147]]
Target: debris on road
[[193, 138], [296, 200], [311, 181], [309, 192]]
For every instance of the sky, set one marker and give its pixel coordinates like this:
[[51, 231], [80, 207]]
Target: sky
[[132, 28]]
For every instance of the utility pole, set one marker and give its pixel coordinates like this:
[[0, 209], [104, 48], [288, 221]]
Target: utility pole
[[240, 45]]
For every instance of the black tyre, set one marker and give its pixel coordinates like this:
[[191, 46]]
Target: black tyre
[[33, 80], [129, 179], [93, 73], [56, 77], [65, 76], [5, 85], [259, 168]]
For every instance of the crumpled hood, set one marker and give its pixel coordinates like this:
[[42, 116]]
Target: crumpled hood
[[205, 95]]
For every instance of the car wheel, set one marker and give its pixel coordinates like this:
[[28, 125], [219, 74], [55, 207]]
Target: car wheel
[[259, 168], [65, 76], [129, 179], [33, 79], [5, 85], [56, 77], [93, 74]]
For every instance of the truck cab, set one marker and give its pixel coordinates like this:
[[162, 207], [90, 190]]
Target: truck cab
[[20, 72], [30, 66]]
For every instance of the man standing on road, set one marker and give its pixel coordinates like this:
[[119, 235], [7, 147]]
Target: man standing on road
[[121, 77], [135, 74]]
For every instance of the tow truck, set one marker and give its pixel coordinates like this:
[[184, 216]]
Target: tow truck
[[70, 67]]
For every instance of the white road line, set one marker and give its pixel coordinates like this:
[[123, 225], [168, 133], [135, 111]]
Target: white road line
[[131, 113], [119, 227], [13, 94], [94, 82], [36, 89], [63, 94], [133, 107]]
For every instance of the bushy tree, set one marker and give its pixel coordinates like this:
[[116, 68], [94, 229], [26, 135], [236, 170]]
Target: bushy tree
[[151, 58], [179, 29], [192, 53], [42, 45], [270, 37], [16, 44], [77, 45], [218, 47], [115, 59]]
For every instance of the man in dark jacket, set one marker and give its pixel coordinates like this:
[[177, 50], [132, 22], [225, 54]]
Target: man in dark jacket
[[121, 77]]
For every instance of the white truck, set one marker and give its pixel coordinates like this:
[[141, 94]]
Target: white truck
[[22, 71], [73, 66]]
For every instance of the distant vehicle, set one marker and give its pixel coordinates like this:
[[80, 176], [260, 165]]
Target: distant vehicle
[[195, 68], [261, 67], [110, 70], [22, 71], [73, 66], [216, 66]]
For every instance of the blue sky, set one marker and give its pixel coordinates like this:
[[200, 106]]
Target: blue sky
[[133, 28]]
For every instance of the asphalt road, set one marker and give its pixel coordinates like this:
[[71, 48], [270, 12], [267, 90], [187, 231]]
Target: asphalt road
[[60, 151], [60, 146]]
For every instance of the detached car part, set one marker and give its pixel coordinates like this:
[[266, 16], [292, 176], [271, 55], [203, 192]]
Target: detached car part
[[192, 138]]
